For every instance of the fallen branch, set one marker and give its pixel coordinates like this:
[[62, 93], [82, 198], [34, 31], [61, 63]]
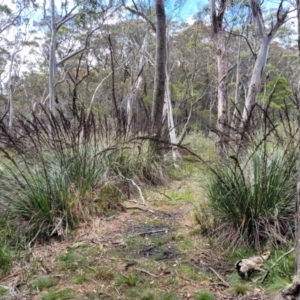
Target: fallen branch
[[137, 207], [150, 232], [219, 276], [139, 189], [10, 275], [144, 271]]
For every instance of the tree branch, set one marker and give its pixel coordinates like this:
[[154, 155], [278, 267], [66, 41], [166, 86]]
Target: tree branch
[[80, 50], [247, 41], [257, 19], [66, 18], [141, 14]]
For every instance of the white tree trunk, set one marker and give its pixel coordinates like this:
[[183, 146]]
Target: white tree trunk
[[52, 60], [222, 62], [133, 94], [265, 39], [234, 119], [223, 107], [11, 105], [168, 114], [255, 82]]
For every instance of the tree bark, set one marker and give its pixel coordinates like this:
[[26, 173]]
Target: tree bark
[[160, 69], [265, 39], [136, 86], [234, 119], [168, 115], [297, 217], [222, 65], [52, 60]]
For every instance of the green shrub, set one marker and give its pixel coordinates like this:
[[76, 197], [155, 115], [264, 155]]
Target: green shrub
[[254, 201]]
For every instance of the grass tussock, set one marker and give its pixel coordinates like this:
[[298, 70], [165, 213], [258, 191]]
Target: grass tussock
[[252, 201], [54, 171]]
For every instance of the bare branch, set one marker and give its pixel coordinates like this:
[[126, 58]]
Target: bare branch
[[141, 14]]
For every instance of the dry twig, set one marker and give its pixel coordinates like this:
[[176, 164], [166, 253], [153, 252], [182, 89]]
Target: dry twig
[[219, 276]]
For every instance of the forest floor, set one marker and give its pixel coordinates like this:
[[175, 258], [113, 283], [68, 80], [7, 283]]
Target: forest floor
[[151, 251]]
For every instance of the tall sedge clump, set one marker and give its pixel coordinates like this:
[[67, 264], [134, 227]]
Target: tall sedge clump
[[253, 201], [53, 170], [48, 170]]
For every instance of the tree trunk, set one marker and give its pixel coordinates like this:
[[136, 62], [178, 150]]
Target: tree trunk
[[222, 122], [52, 60], [297, 217], [222, 62], [234, 119], [255, 82], [11, 107], [160, 69], [168, 115], [261, 60], [133, 94]]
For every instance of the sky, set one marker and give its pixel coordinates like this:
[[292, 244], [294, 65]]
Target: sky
[[189, 9], [186, 10]]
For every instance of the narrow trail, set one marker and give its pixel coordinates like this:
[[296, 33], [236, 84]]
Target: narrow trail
[[143, 252]]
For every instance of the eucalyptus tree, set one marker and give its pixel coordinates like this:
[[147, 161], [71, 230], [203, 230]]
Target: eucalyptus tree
[[16, 47], [192, 68], [264, 34], [162, 122], [14, 21], [217, 19], [160, 70], [55, 18], [11, 14]]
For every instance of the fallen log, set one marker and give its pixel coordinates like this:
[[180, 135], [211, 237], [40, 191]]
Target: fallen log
[[247, 266]]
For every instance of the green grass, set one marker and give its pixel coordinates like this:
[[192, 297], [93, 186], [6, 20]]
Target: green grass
[[5, 260], [80, 279], [144, 292], [204, 295], [104, 273], [69, 260], [129, 280], [59, 295], [44, 283], [240, 288], [273, 287], [3, 290], [191, 273]]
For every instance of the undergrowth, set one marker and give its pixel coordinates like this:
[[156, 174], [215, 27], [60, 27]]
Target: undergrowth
[[251, 201], [53, 171]]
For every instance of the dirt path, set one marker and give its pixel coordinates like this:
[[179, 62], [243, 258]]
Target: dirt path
[[143, 252]]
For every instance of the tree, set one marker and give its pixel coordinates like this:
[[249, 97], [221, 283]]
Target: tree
[[17, 47], [11, 16], [55, 22], [265, 37], [160, 71], [136, 86], [217, 16], [162, 114]]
